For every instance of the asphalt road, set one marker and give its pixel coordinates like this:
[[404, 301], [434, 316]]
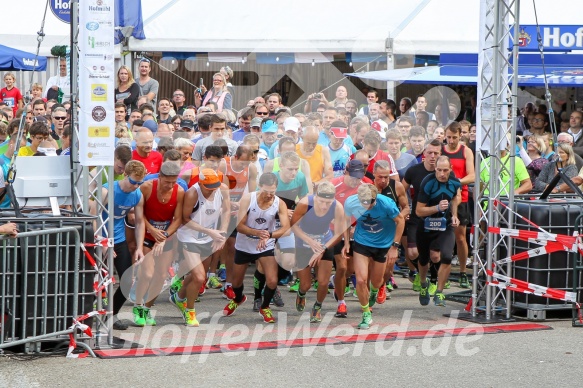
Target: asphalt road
[[537, 358]]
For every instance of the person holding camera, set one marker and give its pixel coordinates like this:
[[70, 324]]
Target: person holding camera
[[314, 100], [532, 156], [219, 94]]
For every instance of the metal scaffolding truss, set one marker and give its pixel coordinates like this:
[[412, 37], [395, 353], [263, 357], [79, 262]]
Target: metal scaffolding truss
[[497, 99]]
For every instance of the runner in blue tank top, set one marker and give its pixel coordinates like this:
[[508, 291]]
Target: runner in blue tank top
[[315, 242], [126, 195], [379, 224]]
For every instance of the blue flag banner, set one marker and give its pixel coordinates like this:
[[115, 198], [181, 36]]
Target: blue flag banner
[[128, 13]]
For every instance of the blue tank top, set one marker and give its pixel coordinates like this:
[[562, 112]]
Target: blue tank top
[[123, 203], [317, 227]]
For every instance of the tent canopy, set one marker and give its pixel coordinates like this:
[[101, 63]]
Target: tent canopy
[[426, 27], [561, 70], [13, 59]]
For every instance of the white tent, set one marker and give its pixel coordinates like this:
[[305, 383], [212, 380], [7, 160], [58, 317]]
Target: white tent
[[426, 27]]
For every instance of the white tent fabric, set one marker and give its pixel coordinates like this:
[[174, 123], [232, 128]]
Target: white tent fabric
[[417, 26], [423, 75]]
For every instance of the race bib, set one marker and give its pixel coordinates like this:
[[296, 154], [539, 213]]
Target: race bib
[[319, 238], [438, 224], [160, 225]]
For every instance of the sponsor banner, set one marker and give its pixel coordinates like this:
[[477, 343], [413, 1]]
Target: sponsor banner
[[62, 10], [554, 37], [96, 83]]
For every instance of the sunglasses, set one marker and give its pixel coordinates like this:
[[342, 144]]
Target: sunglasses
[[368, 201], [262, 113], [133, 182], [59, 117], [255, 152]]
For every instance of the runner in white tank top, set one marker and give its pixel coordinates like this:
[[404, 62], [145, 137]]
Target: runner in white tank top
[[257, 233], [204, 204], [260, 219]]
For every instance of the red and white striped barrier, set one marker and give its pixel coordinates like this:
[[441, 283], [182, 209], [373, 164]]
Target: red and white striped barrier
[[77, 325]]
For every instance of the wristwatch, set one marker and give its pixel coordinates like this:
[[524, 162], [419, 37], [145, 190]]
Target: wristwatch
[[396, 245], [165, 234]]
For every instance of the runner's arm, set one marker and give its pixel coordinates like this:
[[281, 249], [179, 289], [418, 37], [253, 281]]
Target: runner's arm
[[226, 210], [338, 226], [403, 201], [140, 229], [283, 219], [470, 170], [177, 220], [422, 210]]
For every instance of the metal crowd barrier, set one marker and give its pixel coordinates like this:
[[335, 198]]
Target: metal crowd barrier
[[45, 283]]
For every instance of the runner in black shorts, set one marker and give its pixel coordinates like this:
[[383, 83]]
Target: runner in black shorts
[[412, 181], [437, 203], [315, 242]]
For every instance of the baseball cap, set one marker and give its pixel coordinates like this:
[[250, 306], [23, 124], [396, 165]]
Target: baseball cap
[[41, 119], [381, 127], [151, 125], [355, 169], [256, 122], [291, 124], [339, 133], [187, 124], [269, 127], [209, 179]]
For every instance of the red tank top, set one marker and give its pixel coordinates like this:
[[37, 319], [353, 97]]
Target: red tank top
[[194, 177], [458, 165], [237, 181], [159, 214]]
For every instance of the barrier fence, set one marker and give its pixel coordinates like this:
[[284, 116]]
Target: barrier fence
[[46, 284]]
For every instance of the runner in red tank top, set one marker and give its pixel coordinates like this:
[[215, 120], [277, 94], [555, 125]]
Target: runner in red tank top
[[462, 162], [163, 214], [242, 176]]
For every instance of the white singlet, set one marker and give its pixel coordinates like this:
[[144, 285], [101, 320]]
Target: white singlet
[[205, 213], [260, 219]]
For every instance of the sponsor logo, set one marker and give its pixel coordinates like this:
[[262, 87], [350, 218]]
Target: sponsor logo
[[98, 113], [61, 9], [92, 26], [260, 221], [523, 38], [99, 92], [99, 7], [93, 43], [98, 131], [210, 211], [30, 62]]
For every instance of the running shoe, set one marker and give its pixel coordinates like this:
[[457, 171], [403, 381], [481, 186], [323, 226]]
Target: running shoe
[[202, 289], [181, 306], [331, 282], [424, 296], [372, 297], [347, 291], [286, 281], [315, 285], [300, 302], [432, 288], [439, 299], [366, 321], [214, 282], [222, 273], [382, 295], [175, 285], [120, 325], [150, 321], [341, 311], [417, 283], [232, 306], [267, 315], [316, 314], [447, 285], [257, 304], [464, 283], [411, 276], [228, 293], [295, 287], [354, 293], [139, 318], [277, 300], [389, 286], [190, 318], [393, 283]]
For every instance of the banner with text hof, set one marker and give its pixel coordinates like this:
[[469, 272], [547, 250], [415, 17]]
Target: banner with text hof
[[96, 83]]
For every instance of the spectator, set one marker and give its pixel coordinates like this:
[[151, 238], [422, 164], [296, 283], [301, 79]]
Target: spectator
[[127, 90], [218, 94], [565, 161], [10, 93], [38, 132], [179, 101], [533, 155], [148, 86], [58, 87], [227, 72]]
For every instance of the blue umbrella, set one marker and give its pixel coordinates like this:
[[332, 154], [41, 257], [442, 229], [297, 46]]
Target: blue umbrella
[[13, 59]]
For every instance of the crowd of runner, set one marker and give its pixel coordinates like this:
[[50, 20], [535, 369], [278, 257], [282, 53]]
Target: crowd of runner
[[330, 198]]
